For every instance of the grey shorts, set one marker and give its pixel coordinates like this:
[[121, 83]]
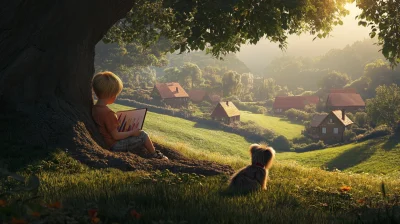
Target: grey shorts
[[130, 143]]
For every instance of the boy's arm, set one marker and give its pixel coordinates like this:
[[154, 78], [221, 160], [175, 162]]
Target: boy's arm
[[111, 123], [123, 135]]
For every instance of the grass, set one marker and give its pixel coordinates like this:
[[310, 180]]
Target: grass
[[295, 194], [379, 156], [278, 125]]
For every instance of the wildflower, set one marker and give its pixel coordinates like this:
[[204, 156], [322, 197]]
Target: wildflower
[[135, 214], [95, 220], [35, 214], [360, 201], [3, 203], [54, 205], [323, 204], [92, 213], [345, 188], [18, 221]]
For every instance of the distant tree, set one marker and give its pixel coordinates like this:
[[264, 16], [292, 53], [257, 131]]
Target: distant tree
[[192, 71], [361, 119], [265, 89], [334, 80], [231, 82], [172, 74], [247, 80], [375, 74], [385, 107]]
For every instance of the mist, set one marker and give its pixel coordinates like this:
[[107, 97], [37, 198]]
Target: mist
[[258, 56]]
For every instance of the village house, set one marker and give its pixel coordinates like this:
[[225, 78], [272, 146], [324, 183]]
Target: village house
[[329, 127], [199, 95], [171, 94], [226, 112], [284, 103], [347, 99]]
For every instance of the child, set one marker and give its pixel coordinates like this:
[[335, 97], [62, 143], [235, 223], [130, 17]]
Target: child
[[107, 86]]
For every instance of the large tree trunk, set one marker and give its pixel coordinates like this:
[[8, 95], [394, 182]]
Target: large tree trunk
[[46, 67]]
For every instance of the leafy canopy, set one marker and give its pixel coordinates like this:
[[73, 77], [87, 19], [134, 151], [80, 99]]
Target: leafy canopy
[[222, 26]]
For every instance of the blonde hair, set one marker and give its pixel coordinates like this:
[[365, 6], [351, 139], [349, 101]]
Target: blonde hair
[[106, 84]]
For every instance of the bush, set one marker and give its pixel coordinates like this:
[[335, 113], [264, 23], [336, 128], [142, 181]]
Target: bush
[[252, 107], [253, 127], [281, 143], [297, 115], [348, 135], [310, 147], [302, 140], [379, 131], [359, 131], [361, 119]]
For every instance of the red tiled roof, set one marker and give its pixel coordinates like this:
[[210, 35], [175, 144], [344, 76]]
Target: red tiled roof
[[312, 99], [225, 109], [348, 90], [296, 102], [345, 100], [170, 90], [197, 95], [338, 114]]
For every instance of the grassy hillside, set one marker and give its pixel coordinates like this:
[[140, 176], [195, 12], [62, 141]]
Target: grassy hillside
[[373, 156], [188, 134], [281, 127]]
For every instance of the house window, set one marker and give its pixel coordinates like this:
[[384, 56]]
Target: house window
[[323, 130], [330, 120], [336, 131]]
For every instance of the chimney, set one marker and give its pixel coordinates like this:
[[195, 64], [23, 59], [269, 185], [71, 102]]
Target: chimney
[[227, 103], [343, 114], [177, 90]]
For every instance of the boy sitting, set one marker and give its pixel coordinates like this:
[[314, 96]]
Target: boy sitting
[[107, 86]]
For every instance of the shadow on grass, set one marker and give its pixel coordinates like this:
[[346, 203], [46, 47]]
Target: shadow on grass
[[392, 142], [352, 157]]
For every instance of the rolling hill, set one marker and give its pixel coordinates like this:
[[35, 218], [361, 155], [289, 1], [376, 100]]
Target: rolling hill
[[380, 156]]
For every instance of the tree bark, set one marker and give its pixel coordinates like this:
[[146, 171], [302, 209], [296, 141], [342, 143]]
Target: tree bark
[[46, 67]]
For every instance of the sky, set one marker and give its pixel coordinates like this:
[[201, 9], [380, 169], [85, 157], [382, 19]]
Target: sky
[[258, 56]]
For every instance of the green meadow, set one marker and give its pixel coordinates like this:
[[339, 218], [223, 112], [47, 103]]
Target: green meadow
[[277, 124]]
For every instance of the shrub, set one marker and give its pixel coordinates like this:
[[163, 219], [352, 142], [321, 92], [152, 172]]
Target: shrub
[[348, 135], [297, 115], [359, 131], [252, 107], [309, 147], [361, 119], [281, 143], [379, 131], [302, 140]]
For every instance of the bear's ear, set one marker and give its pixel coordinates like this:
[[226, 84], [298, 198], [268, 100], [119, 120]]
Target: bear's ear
[[254, 147]]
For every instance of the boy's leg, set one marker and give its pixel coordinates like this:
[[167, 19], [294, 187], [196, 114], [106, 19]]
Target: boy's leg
[[148, 144]]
